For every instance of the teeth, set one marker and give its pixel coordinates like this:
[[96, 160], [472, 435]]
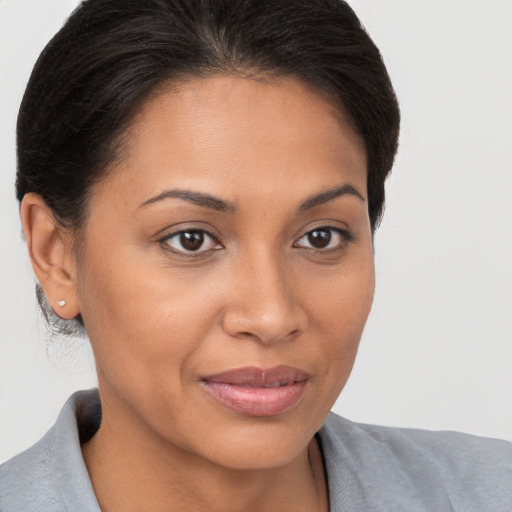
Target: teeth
[[275, 384]]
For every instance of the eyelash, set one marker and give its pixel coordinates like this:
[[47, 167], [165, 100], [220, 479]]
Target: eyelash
[[189, 253], [346, 236]]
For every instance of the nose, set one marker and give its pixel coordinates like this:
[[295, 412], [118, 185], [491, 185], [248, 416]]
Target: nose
[[263, 302]]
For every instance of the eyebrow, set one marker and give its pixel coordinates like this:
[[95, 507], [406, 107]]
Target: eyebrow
[[214, 203], [329, 195], [199, 198]]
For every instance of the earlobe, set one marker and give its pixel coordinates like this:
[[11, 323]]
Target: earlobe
[[50, 249]]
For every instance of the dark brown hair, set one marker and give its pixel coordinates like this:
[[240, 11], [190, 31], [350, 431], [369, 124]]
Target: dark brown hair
[[111, 54]]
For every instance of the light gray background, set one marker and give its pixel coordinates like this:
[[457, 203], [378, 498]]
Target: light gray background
[[437, 351]]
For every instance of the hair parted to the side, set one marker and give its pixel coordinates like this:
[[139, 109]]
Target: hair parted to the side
[[96, 72]]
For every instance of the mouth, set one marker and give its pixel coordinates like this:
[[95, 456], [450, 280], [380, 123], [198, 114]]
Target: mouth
[[258, 392]]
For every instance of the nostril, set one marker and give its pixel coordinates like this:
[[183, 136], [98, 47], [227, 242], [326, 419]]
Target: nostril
[[268, 313], [266, 337]]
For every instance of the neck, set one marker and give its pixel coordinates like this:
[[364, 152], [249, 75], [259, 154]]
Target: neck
[[131, 468]]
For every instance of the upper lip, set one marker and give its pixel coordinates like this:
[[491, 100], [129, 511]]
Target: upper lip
[[259, 377]]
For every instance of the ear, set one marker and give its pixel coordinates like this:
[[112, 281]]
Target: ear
[[50, 247]]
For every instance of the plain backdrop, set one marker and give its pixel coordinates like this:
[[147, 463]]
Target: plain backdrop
[[437, 350]]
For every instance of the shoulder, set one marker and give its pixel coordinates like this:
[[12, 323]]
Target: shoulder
[[417, 469], [51, 475], [26, 480]]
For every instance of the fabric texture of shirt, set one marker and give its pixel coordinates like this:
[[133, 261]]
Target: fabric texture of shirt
[[369, 468]]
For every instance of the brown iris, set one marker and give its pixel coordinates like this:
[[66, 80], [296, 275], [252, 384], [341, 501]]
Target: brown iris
[[192, 240], [319, 238]]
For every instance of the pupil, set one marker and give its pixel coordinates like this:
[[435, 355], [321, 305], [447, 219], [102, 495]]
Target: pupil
[[319, 238], [192, 240]]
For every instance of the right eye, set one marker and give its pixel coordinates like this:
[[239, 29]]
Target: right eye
[[191, 241]]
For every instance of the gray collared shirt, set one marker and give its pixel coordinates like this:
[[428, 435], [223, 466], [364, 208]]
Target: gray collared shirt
[[369, 468]]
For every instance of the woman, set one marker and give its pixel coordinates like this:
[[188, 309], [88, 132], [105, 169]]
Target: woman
[[199, 184]]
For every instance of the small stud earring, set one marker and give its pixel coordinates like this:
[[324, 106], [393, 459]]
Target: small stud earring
[[61, 303]]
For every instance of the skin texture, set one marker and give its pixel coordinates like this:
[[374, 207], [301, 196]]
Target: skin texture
[[160, 319]]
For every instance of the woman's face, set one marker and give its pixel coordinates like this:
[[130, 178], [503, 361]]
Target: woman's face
[[227, 270]]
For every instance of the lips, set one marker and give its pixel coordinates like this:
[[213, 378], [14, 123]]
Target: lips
[[258, 392]]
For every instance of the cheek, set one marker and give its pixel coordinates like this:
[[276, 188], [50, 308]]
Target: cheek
[[342, 307], [144, 321]]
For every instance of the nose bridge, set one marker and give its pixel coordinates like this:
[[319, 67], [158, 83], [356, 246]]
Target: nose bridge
[[263, 303]]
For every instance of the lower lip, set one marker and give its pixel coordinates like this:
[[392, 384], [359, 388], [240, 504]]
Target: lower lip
[[257, 401]]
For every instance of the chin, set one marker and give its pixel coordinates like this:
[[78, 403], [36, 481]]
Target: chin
[[259, 455], [258, 443]]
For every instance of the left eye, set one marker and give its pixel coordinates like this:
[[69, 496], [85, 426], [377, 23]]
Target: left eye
[[192, 240], [323, 238]]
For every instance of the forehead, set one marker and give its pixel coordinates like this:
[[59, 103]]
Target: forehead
[[226, 134]]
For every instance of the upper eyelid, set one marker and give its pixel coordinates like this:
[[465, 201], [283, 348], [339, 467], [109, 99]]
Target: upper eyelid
[[163, 243], [187, 230], [176, 233], [347, 234], [344, 232], [171, 231]]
